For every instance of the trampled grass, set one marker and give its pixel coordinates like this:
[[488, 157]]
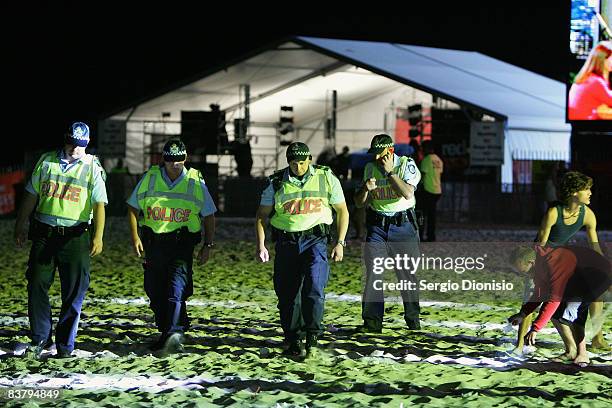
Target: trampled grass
[[232, 358]]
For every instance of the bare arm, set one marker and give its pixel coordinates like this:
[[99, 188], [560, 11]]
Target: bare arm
[[27, 206], [99, 218], [342, 219], [362, 195], [208, 224], [523, 328], [402, 188], [590, 221], [133, 221], [550, 218], [263, 212]]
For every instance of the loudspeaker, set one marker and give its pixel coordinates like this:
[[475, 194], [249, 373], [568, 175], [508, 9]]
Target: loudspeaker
[[200, 131], [415, 114], [450, 129]]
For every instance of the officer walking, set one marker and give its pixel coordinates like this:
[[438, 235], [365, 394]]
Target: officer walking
[[302, 196], [388, 191], [66, 191], [171, 200]]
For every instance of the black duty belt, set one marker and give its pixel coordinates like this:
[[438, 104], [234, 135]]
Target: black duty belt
[[383, 221], [41, 229], [319, 230], [179, 235]]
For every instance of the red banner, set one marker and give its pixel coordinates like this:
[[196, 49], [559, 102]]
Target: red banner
[[7, 191]]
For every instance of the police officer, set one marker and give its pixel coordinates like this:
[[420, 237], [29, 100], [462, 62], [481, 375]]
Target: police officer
[[173, 203], [66, 190], [388, 192], [301, 196]]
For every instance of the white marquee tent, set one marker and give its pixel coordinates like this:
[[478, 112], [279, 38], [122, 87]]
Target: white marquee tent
[[371, 79]]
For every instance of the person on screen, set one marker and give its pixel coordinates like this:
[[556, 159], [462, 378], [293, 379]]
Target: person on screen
[[590, 97]]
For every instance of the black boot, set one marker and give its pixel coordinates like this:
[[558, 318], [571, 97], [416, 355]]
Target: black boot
[[294, 349], [311, 343], [413, 324], [35, 350], [172, 345], [367, 329]]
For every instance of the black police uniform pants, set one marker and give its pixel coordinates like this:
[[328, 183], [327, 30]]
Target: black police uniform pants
[[301, 271], [71, 257], [168, 282], [387, 242]]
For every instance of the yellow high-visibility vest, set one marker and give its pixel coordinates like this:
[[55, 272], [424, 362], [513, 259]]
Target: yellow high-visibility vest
[[64, 194], [301, 208], [383, 198], [165, 209]]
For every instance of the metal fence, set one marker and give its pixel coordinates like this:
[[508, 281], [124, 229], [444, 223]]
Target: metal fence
[[519, 204], [461, 202]]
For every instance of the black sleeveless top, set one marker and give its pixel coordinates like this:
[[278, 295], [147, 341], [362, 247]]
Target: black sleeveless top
[[561, 233]]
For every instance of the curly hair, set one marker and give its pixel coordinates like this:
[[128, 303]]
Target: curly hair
[[573, 182]]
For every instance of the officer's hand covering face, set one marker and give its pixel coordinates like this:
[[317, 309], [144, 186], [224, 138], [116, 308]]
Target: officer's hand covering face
[[388, 151], [299, 167]]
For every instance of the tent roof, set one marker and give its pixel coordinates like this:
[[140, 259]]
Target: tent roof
[[526, 99], [303, 67]]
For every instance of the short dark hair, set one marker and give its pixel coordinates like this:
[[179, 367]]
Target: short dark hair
[[523, 253]]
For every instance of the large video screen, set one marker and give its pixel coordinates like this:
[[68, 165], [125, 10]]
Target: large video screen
[[589, 92]]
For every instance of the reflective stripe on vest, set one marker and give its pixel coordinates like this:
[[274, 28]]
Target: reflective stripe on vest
[[65, 194], [165, 209], [301, 208], [384, 199]]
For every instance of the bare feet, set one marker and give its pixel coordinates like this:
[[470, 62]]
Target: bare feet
[[582, 360], [567, 356], [518, 351], [600, 344]]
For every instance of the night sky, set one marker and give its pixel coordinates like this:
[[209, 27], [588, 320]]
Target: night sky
[[72, 62]]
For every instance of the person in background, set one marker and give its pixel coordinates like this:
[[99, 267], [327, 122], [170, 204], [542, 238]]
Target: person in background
[[118, 176], [243, 157], [66, 192], [326, 156], [120, 168], [417, 150], [550, 189], [431, 168], [341, 164]]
